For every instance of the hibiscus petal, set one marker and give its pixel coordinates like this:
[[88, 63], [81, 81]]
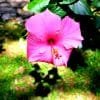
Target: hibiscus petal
[[43, 23], [71, 43], [71, 29], [62, 57], [38, 51], [71, 34]]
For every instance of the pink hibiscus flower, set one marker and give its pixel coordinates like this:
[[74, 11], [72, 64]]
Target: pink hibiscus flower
[[51, 39]]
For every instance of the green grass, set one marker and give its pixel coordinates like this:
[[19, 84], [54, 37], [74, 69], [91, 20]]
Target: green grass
[[11, 71], [19, 79]]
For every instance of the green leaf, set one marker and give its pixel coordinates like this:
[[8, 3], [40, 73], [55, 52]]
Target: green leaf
[[57, 10], [67, 1], [81, 7], [36, 6], [96, 3]]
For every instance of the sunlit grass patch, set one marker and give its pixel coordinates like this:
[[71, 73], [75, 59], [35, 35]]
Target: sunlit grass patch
[[72, 95], [15, 48]]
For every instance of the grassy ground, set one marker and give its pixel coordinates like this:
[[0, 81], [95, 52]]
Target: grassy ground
[[21, 80]]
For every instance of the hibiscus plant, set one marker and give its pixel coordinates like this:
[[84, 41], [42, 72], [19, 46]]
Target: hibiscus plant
[[57, 27]]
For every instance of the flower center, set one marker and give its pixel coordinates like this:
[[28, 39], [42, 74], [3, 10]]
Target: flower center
[[51, 41]]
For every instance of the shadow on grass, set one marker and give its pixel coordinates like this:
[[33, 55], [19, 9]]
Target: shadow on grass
[[44, 82]]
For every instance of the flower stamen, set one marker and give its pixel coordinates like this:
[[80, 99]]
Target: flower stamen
[[56, 54]]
